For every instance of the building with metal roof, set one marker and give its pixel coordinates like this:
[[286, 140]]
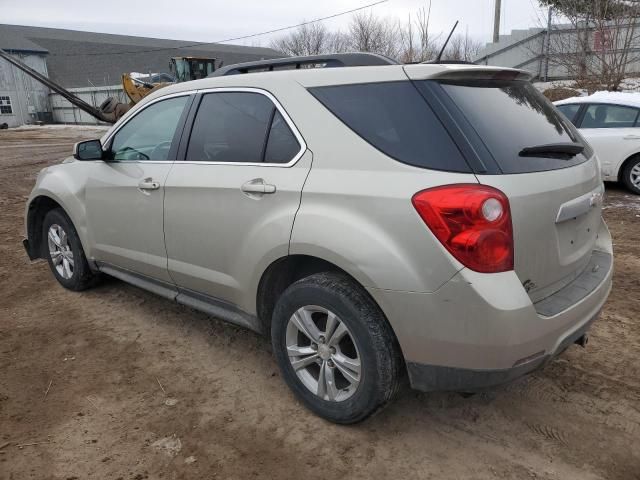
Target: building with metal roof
[[92, 63]]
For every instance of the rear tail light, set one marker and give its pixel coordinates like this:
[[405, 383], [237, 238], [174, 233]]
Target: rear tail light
[[473, 222]]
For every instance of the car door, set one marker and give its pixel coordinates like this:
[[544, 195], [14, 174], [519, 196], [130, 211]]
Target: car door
[[230, 204], [611, 130], [124, 194]]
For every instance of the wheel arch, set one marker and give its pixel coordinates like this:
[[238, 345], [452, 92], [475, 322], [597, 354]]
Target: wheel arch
[[624, 164], [37, 208], [283, 272]]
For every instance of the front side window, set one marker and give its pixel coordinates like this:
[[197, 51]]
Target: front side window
[[240, 127], [5, 105], [570, 111], [149, 135], [609, 116]]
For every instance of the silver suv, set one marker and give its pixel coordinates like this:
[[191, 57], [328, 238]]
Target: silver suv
[[439, 220]]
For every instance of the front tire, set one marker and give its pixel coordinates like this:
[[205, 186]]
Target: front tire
[[631, 175], [64, 253], [335, 349]]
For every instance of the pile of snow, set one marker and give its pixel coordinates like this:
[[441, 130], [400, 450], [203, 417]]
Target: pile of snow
[[628, 85]]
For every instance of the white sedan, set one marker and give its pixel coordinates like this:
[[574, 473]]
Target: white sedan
[[610, 121]]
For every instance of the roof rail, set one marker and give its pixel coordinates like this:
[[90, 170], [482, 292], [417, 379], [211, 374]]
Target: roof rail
[[449, 62], [328, 61]]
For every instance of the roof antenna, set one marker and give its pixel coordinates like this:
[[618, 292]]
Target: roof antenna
[[439, 57]]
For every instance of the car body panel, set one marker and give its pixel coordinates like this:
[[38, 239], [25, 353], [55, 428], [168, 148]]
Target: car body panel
[[125, 223], [488, 320], [549, 250], [613, 146], [219, 238]]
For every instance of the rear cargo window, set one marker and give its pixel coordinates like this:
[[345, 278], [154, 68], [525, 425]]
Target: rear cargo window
[[511, 116], [394, 118]]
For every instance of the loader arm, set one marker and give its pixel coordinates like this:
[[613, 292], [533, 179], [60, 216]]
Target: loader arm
[[78, 102]]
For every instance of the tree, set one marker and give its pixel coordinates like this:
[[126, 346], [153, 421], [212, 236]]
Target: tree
[[309, 39], [463, 48], [417, 44], [411, 42], [601, 42], [368, 33]]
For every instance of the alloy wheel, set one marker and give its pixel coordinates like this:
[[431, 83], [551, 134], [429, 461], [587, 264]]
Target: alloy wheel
[[60, 251], [323, 353], [634, 175]]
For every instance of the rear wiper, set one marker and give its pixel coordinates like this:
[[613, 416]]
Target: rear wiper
[[560, 150]]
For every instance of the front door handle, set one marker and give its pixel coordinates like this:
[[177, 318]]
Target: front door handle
[[148, 184], [258, 186], [631, 137]]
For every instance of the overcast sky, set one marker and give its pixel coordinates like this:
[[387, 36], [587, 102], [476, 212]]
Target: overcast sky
[[214, 20]]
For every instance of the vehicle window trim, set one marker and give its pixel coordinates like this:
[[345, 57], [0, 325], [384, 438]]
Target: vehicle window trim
[[184, 142], [473, 149], [176, 136], [268, 135]]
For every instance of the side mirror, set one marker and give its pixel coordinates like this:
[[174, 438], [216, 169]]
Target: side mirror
[[88, 150]]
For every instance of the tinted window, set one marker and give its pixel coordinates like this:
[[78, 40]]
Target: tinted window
[[570, 111], [230, 127], [394, 118], [510, 116], [149, 134], [609, 116], [282, 145]]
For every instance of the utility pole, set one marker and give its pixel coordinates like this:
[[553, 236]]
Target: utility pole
[[547, 45], [496, 22]]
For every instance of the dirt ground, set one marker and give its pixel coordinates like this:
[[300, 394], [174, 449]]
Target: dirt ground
[[115, 383]]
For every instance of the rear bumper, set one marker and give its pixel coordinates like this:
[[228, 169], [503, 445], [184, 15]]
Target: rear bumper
[[480, 330], [436, 378]]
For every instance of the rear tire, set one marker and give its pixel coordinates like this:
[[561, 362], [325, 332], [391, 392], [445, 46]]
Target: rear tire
[[356, 369], [631, 175], [63, 251]]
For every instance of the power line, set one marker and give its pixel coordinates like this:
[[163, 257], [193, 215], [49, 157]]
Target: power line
[[200, 44]]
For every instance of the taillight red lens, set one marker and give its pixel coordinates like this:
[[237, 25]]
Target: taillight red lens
[[473, 222]]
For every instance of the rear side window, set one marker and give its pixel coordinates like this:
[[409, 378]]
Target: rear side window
[[395, 119], [609, 116], [511, 116], [240, 127], [282, 145], [570, 111], [230, 127]]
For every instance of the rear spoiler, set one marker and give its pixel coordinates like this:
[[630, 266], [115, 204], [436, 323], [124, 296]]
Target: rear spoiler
[[462, 72]]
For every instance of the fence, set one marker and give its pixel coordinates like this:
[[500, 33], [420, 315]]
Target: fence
[[65, 112]]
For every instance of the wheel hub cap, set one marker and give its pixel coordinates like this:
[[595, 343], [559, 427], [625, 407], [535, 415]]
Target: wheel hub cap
[[323, 353]]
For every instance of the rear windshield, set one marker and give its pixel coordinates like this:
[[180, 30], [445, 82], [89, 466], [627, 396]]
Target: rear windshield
[[394, 118], [509, 116]]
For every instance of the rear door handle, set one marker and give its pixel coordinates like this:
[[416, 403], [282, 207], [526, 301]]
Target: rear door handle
[[631, 137], [258, 186], [148, 184]]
